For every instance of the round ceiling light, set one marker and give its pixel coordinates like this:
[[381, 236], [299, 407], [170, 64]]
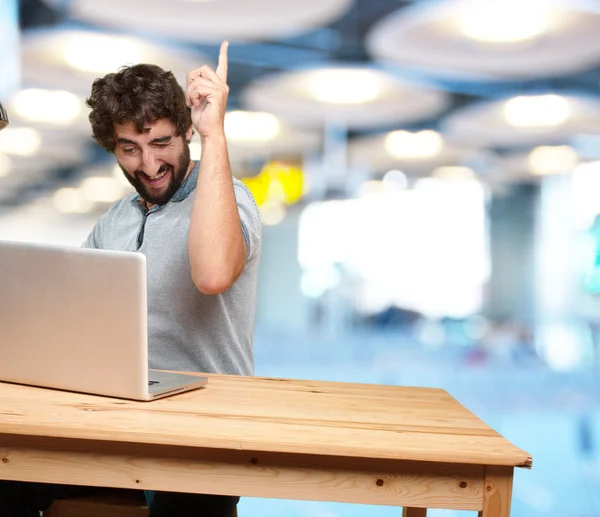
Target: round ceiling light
[[251, 126], [508, 21], [212, 21], [420, 145], [350, 96], [70, 59], [489, 39], [412, 153], [100, 53], [344, 86], [524, 120], [545, 160], [46, 106], [536, 111]]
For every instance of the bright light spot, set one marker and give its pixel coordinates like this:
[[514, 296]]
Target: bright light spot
[[505, 21], [5, 165], [431, 184], [100, 53], [586, 185], [71, 201], [102, 189], [259, 188], [561, 346], [49, 106], [251, 126], [315, 282], [450, 173], [373, 298], [277, 182], [272, 213], [22, 141], [344, 86], [536, 111], [546, 160], [392, 244], [420, 145], [325, 232]]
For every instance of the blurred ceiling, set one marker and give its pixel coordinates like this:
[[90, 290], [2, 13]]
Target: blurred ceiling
[[415, 86]]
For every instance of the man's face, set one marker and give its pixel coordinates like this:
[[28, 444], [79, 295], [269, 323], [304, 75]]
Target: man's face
[[155, 161]]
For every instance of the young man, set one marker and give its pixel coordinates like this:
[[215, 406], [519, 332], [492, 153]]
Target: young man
[[198, 227]]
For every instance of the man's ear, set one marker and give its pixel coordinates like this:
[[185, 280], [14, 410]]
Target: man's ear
[[189, 134]]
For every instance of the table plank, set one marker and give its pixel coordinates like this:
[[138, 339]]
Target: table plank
[[274, 475], [272, 415]]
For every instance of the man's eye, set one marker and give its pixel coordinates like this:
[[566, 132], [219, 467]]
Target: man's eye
[[129, 150]]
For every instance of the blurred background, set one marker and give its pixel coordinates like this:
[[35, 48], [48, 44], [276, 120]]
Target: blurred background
[[428, 175]]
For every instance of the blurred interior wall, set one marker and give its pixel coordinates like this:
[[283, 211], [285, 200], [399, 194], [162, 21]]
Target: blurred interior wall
[[281, 305], [557, 282], [512, 224]]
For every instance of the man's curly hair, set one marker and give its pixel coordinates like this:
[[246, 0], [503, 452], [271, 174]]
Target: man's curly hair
[[140, 94]]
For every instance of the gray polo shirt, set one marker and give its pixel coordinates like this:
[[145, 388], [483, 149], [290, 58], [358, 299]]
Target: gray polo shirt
[[187, 330]]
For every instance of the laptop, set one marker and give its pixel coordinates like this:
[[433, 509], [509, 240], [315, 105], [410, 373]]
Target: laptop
[[75, 319]]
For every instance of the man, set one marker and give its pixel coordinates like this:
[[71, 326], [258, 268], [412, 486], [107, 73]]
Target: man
[[198, 227]]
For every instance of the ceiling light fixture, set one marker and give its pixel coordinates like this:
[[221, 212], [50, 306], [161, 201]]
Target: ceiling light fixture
[[546, 160], [100, 53], [533, 111], [418, 146], [344, 86], [251, 126], [505, 21], [48, 106], [454, 173]]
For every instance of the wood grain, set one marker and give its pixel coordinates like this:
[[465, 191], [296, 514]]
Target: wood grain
[[498, 492], [271, 475], [272, 415]]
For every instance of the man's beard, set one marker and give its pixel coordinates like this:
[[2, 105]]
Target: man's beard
[[177, 177]]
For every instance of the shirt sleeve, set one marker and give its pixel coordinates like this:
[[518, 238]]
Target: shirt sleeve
[[249, 217], [93, 239]]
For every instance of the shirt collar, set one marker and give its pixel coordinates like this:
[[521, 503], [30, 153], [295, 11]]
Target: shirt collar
[[189, 184]]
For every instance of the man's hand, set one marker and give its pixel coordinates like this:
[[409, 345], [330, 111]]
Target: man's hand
[[207, 93]]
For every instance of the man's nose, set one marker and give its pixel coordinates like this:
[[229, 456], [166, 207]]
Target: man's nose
[[150, 164]]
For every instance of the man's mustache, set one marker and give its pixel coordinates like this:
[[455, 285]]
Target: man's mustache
[[164, 167]]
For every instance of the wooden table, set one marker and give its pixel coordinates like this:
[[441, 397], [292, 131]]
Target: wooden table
[[261, 437]]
